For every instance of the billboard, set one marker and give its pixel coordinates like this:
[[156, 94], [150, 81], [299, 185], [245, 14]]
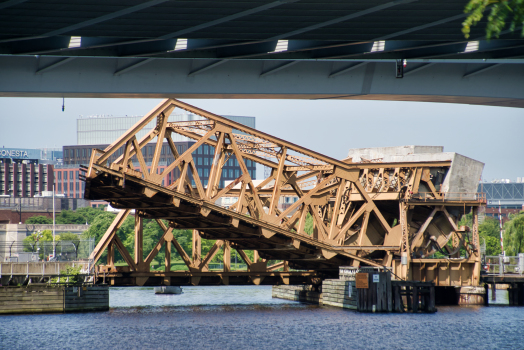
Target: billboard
[[20, 153]]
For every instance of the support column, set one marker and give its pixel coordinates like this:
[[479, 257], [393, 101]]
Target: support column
[[167, 263], [196, 248], [476, 246], [139, 241], [511, 294], [111, 255], [227, 256], [404, 244], [167, 260], [516, 294]]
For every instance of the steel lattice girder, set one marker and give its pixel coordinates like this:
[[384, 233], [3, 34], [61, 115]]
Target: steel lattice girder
[[353, 205]]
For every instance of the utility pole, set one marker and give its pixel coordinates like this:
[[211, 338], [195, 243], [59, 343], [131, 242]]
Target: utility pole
[[54, 245], [500, 225]]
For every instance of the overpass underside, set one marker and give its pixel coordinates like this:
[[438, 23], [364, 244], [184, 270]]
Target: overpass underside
[[401, 50], [363, 214], [432, 80]]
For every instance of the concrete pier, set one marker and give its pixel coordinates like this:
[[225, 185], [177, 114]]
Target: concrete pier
[[339, 293], [365, 290], [472, 295], [303, 293], [53, 299]]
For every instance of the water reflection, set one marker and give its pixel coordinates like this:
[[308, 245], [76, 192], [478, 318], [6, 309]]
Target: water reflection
[[193, 296], [501, 295]]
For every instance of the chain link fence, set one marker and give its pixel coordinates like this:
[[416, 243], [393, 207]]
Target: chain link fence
[[48, 251]]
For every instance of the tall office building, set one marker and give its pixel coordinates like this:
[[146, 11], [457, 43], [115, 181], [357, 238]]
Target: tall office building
[[100, 131]]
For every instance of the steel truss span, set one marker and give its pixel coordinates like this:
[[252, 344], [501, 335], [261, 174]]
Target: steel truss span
[[366, 213]]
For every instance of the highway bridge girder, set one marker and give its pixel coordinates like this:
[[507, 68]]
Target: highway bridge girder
[[432, 81]]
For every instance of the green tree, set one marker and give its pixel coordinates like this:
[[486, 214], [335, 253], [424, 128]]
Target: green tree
[[70, 237], [39, 220], [492, 246], [308, 227], [490, 228], [514, 235], [42, 240], [501, 13], [99, 226], [89, 213], [489, 231], [68, 217]]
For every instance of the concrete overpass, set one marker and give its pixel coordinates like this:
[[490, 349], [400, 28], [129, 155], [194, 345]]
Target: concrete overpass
[[256, 49]]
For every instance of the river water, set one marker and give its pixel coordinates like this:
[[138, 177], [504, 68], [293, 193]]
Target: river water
[[246, 317]]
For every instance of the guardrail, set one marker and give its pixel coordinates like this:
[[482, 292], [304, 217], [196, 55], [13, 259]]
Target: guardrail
[[504, 265]]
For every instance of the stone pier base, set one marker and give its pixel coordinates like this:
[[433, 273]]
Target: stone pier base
[[303, 293], [472, 295]]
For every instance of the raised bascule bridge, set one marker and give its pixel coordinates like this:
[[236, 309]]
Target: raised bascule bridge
[[392, 207]]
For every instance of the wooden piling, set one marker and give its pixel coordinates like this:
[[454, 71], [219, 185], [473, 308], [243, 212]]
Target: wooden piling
[[415, 298]]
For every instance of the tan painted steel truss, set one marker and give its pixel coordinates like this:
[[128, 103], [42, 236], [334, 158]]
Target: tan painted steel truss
[[363, 213]]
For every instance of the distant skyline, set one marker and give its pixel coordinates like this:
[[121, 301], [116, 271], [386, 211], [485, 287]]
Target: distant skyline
[[492, 135]]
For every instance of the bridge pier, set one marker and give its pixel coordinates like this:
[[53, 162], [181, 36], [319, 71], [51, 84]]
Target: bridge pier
[[516, 294], [463, 296], [472, 295]]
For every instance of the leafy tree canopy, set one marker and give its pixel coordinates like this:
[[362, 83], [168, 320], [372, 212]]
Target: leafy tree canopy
[[89, 213], [502, 14], [490, 228], [492, 246], [39, 220], [514, 235], [69, 217]]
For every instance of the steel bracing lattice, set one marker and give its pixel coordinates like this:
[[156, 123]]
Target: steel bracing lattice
[[354, 207]]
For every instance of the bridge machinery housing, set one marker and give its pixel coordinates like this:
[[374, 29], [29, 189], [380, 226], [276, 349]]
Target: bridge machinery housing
[[393, 207]]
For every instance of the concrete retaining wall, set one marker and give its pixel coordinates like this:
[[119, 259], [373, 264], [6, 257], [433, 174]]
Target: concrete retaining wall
[[339, 293], [303, 293], [52, 299], [333, 293]]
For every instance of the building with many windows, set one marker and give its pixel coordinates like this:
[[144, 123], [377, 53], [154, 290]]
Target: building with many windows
[[108, 129], [26, 172], [25, 180], [503, 198]]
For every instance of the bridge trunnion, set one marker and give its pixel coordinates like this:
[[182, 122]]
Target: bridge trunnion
[[394, 211]]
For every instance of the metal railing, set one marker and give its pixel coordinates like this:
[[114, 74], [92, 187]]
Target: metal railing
[[503, 265], [479, 197], [29, 251], [50, 272]]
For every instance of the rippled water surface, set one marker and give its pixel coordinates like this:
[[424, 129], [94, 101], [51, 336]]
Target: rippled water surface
[[248, 318]]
